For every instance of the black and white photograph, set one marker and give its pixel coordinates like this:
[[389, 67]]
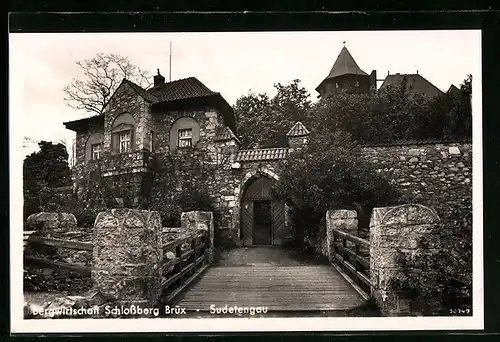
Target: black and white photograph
[[246, 181]]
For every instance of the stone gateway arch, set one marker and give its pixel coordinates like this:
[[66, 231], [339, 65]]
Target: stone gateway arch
[[262, 217]]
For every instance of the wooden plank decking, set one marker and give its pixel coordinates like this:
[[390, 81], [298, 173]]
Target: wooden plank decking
[[279, 287]]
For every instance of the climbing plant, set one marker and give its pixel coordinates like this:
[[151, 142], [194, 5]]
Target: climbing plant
[[180, 183]]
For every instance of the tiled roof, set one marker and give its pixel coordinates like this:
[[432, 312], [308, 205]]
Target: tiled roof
[[186, 88], [225, 133], [141, 91], [416, 82], [262, 154], [298, 130], [345, 64]]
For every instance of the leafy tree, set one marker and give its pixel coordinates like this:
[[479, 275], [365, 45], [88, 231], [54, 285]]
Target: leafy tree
[[395, 113], [460, 114], [103, 73], [45, 168], [264, 121], [329, 174]]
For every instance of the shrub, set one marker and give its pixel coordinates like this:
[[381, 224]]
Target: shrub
[[442, 277], [329, 174], [179, 184]]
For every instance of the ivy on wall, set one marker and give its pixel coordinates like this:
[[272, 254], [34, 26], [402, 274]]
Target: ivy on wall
[[439, 279]]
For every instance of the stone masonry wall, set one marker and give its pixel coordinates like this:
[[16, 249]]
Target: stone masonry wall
[[430, 174], [126, 100], [395, 230], [207, 118], [127, 256], [82, 167], [228, 187]]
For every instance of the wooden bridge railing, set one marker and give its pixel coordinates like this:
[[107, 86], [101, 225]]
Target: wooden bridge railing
[[178, 273], [353, 255], [186, 266], [30, 239]]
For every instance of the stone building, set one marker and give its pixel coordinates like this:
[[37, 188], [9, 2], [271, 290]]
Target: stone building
[[184, 117], [347, 76]]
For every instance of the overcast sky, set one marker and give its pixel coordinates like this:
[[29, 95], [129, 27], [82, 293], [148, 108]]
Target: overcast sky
[[229, 63]]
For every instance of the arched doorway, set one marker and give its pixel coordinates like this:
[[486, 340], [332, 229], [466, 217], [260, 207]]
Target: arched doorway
[[262, 217]]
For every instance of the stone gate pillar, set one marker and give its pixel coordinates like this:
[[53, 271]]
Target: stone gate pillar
[[344, 220], [395, 230], [127, 256], [204, 220]]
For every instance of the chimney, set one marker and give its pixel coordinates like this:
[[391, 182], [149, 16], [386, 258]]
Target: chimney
[[158, 79]]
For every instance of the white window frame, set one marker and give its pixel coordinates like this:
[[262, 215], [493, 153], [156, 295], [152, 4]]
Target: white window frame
[[125, 141], [96, 153], [185, 137]]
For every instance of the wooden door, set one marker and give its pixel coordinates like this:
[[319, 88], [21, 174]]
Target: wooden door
[[262, 223], [278, 219], [246, 222]]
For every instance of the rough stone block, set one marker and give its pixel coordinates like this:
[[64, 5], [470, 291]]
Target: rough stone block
[[67, 220], [127, 255], [394, 231], [341, 214], [106, 220], [414, 152], [453, 150], [44, 220], [128, 288], [418, 214]]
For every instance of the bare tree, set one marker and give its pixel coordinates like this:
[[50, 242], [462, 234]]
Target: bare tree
[[103, 74]]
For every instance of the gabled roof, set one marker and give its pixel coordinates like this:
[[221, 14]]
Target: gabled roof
[[298, 130], [175, 92], [185, 88], [262, 154], [225, 133], [141, 91], [415, 82]]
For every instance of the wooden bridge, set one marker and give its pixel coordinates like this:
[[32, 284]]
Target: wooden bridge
[[271, 277], [281, 280]]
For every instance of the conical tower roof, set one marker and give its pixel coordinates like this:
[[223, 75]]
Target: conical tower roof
[[345, 64]]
